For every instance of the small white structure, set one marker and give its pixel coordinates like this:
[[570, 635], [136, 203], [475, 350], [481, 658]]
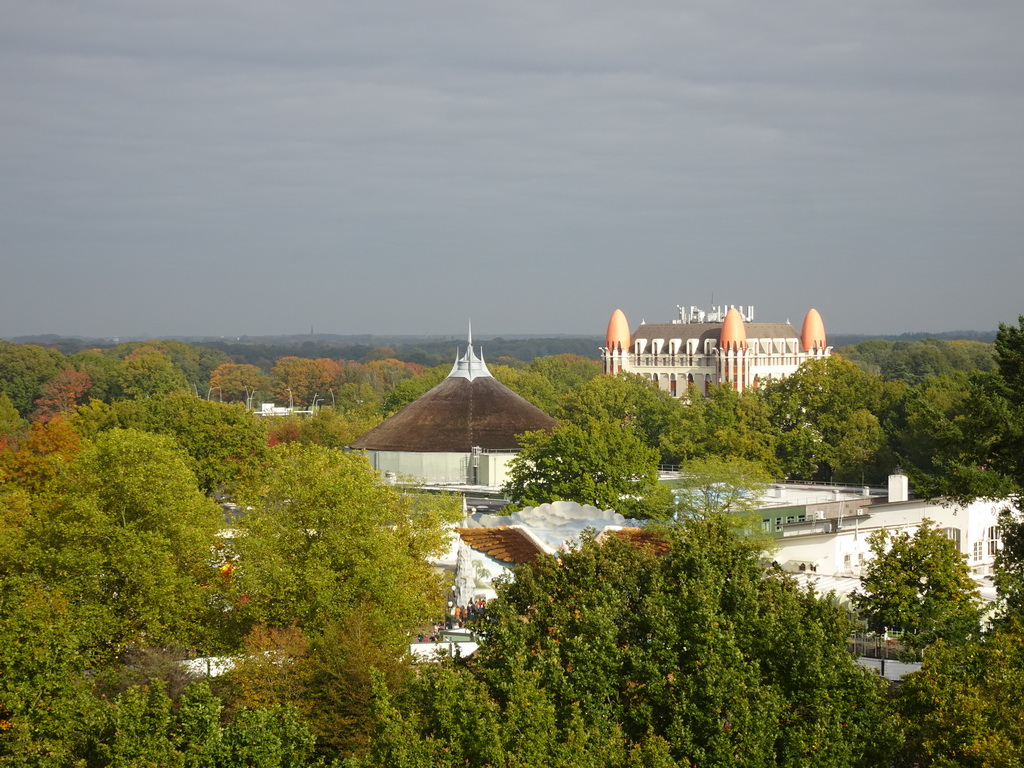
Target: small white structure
[[269, 409], [488, 546]]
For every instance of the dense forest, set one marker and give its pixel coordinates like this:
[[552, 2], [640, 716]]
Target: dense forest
[[148, 517]]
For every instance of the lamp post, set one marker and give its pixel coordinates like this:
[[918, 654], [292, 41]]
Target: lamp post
[[291, 400]]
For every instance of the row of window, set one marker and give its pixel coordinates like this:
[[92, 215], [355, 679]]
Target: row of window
[[988, 547]]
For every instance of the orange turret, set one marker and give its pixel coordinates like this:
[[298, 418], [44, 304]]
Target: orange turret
[[734, 334], [618, 333], [812, 337]]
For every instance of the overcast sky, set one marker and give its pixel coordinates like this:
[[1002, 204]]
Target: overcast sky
[[175, 167]]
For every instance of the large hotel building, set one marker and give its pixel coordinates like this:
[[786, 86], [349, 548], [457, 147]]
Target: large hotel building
[[723, 345]]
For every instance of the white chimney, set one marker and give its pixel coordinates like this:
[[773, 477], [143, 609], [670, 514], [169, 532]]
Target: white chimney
[[899, 486]]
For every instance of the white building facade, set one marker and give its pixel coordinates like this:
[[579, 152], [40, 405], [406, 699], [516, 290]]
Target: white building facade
[[832, 539]]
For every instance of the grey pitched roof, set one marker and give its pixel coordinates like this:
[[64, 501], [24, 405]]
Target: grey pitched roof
[[712, 331]]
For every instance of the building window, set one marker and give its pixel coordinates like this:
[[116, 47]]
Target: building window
[[978, 550], [953, 534], [994, 536], [847, 562]]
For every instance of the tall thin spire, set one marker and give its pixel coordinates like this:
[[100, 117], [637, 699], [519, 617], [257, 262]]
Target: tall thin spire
[[469, 366]]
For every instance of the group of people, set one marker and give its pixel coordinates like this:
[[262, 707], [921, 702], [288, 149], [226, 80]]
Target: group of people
[[459, 615], [473, 610]]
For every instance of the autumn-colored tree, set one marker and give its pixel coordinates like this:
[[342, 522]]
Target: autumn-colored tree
[[273, 668], [238, 383], [42, 456], [295, 380], [61, 394], [101, 367], [384, 374], [327, 427]]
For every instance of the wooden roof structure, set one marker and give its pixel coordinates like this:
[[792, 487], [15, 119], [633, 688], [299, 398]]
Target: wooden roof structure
[[643, 539], [504, 543]]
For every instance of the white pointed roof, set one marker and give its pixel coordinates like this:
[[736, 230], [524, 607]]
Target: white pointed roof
[[469, 366]]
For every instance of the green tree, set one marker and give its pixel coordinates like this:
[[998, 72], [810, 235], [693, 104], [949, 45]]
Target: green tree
[[944, 431], [11, 423], [528, 384], [1009, 566], [333, 429], [221, 440], [728, 487], [963, 707], [147, 372], [47, 712], [738, 426], [627, 399], [24, 369], [326, 539], [194, 361], [612, 654], [407, 390], [921, 586], [826, 417], [146, 729], [125, 534], [566, 371], [604, 464], [101, 368]]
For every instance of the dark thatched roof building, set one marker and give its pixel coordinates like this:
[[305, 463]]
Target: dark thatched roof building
[[461, 431]]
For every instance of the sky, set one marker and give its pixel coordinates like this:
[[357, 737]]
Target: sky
[[249, 167]]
